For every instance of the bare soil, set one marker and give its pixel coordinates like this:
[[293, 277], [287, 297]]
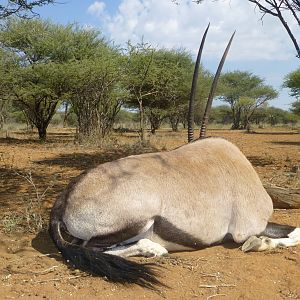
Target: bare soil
[[32, 268]]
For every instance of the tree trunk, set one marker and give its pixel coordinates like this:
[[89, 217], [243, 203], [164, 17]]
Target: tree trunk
[[248, 124], [106, 114], [155, 122], [248, 127], [236, 114], [66, 114], [236, 123], [174, 121], [283, 197], [88, 126], [42, 129], [3, 111], [1, 120], [142, 121]]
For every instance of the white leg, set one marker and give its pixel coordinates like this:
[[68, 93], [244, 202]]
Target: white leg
[[143, 247], [295, 234], [264, 243]]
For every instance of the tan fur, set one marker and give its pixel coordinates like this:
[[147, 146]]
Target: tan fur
[[207, 189]]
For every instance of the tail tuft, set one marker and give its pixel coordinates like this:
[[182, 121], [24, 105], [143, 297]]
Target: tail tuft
[[114, 268]]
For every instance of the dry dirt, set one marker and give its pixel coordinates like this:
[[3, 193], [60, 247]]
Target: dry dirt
[[31, 267]]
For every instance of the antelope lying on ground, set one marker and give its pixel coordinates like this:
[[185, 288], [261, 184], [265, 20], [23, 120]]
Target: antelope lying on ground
[[195, 196]]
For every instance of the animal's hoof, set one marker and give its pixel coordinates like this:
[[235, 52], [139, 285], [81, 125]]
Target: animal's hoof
[[252, 244], [151, 249]]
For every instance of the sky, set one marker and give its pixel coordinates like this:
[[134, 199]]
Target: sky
[[260, 46]]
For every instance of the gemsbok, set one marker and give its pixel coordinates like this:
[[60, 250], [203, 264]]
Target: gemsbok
[[198, 195]]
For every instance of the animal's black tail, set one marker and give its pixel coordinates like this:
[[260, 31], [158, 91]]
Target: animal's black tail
[[277, 231], [114, 268]]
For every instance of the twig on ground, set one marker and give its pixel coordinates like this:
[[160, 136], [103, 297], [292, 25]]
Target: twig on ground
[[210, 275], [29, 179], [201, 259], [215, 295], [41, 255], [216, 286], [31, 272], [45, 271], [59, 279]]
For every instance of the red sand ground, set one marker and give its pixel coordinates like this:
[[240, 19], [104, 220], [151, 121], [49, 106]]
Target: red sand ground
[[31, 267]]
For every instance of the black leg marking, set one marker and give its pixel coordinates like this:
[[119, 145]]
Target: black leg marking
[[117, 237], [277, 231], [169, 232]]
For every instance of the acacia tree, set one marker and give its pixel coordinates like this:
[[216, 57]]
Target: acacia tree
[[139, 82], [221, 114], [273, 116], [167, 87], [173, 83], [8, 63], [292, 81], [244, 92], [21, 8], [37, 91], [296, 107], [38, 82], [45, 50], [172, 71], [95, 92]]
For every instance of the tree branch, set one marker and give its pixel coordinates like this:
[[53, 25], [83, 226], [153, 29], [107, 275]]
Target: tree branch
[[22, 8], [290, 7], [275, 11]]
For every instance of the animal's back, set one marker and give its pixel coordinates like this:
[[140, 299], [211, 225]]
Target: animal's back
[[208, 182]]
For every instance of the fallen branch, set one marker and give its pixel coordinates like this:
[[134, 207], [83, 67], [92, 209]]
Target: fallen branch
[[283, 197]]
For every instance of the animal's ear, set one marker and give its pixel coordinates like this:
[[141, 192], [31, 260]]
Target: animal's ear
[[213, 89], [193, 89]]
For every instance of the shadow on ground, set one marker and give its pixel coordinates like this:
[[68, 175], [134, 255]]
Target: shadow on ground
[[13, 185], [286, 143], [84, 161], [43, 243], [16, 141], [275, 132], [21, 137], [259, 161]]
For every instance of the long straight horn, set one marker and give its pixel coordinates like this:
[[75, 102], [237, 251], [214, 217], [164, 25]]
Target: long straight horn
[[193, 90], [212, 91]]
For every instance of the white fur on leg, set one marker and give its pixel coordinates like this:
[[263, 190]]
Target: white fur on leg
[[292, 240], [295, 234], [143, 247], [264, 243]]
